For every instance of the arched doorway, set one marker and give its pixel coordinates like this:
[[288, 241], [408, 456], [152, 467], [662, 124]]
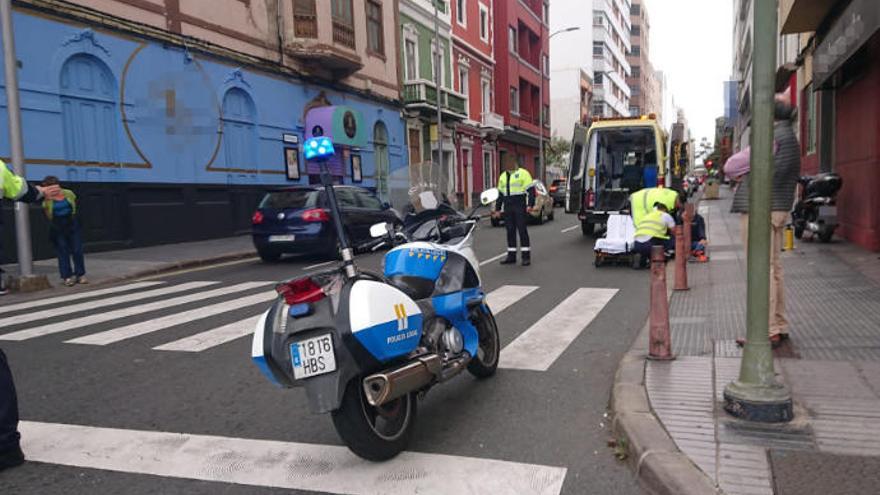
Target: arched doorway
[[239, 130], [88, 110]]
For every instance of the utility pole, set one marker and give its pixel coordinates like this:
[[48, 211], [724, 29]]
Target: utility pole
[[438, 69], [10, 66], [543, 172], [756, 395]]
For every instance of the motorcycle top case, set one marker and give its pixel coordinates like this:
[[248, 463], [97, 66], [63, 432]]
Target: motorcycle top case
[[386, 322], [823, 185]]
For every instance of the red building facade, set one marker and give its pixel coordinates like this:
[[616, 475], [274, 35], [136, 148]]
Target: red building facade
[[521, 67], [473, 65]]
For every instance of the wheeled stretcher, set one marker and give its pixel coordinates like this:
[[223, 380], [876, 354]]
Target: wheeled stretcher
[[616, 247]]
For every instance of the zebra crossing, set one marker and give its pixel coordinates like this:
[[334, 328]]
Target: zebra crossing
[[129, 311]]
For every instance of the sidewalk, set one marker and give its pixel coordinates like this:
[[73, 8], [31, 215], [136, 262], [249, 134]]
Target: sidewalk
[[113, 266], [831, 364]]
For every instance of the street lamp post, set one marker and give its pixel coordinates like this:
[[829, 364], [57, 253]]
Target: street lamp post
[[543, 171]]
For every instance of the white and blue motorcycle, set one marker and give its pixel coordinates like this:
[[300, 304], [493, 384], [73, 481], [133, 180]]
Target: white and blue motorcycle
[[366, 346]]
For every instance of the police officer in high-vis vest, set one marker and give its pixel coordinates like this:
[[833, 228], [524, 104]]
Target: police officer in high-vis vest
[[517, 198], [653, 229], [16, 189]]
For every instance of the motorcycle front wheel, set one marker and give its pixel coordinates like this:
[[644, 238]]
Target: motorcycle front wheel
[[374, 433]]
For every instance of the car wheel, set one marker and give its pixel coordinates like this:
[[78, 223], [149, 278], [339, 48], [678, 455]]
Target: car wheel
[[269, 256]]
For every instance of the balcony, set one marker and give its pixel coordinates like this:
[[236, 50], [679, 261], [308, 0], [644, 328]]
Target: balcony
[[312, 52], [343, 33], [491, 121], [422, 94]]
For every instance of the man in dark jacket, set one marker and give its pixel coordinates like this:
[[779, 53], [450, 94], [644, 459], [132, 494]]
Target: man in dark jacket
[[786, 169]]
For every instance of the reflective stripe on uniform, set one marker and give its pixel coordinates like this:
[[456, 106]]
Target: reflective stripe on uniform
[[653, 225]]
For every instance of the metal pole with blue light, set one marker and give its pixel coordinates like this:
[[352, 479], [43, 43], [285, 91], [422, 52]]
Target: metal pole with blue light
[[320, 149]]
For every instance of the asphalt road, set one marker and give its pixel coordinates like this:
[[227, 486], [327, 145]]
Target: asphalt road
[[548, 426]]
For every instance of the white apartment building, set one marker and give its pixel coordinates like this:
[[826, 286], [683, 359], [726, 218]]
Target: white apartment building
[[611, 44], [571, 65]]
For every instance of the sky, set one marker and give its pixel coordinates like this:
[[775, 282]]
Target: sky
[[691, 42]]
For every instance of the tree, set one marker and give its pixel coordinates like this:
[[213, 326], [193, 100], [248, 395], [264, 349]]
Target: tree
[[556, 152]]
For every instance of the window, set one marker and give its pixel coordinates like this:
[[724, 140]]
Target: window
[[511, 38], [598, 78], [636, 71], [546, 64], [636, 50], [411, 61], [634, 111], [375, 30], [438, 56], [367, 200], [635, 9], [486, 96], [88, 110], [305, 19], [461, 12], [546, 116], [343, 22], [463, 83], [636, 30], [598, 109], [484, 23], [598, 49], [514, 101], [810, 112]]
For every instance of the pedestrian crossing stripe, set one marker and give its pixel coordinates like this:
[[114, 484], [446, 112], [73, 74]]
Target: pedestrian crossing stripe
[[535, 349]]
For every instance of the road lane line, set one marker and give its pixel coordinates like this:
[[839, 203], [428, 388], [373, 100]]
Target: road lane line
[[569, 229], [494, 258], [102, 317], [538, 347], [99, 304], [73, 297], [319, 265], [283, 465], [149, 326], [506, 295], [212, 338]]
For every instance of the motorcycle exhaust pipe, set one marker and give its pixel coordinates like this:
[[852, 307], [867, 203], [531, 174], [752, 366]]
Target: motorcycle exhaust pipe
[[384, 387]]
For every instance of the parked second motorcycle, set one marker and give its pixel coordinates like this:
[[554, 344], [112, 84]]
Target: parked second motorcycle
[[815, 211], [367, 346]]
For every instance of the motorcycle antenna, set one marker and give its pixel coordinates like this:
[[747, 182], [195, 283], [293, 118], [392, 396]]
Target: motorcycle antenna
[[320, 149]]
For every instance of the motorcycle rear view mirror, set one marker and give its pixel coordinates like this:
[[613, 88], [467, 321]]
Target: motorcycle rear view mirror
[[378, 230], [489, 196]]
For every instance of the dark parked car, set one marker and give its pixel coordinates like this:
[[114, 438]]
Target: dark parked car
[[558, 188], [297, 220]]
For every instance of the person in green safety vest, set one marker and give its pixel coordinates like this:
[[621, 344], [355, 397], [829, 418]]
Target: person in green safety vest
[[642, 201], [517, 199], [654, 229], [14, 188]]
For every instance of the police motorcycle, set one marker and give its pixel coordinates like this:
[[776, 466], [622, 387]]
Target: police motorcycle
[[366, 346], [815, 210]]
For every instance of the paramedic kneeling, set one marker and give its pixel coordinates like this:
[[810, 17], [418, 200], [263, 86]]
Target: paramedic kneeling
[[654, 229]]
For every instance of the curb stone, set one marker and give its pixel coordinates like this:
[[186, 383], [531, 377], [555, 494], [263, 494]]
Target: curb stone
[[661, 467], [181, 265]]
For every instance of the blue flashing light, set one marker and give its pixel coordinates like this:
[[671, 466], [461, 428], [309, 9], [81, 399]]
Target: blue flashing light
[[299, 310], [319, 147]]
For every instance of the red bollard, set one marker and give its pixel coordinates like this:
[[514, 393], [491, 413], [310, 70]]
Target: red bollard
[[660, 341], [681, 255], [687, 220]]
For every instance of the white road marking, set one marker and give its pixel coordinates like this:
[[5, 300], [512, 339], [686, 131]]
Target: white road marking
[[494, 258], [284, 465], [319, 265], [569, 229], [73, 297], [538, 347], [99, 304], [212, 338], [200, 268], [149, 326], [103, 317], [506, 295]]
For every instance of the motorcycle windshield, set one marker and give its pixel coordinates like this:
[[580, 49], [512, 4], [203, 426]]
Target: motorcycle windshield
[[425, 199]]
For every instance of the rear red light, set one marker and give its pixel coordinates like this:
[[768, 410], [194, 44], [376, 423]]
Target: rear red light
[[257, 218], [553, 188], [301, 290], [590, 198], [315, 215]]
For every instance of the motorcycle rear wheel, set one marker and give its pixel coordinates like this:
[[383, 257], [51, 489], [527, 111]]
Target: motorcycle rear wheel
[[374, 433], [485, 363]]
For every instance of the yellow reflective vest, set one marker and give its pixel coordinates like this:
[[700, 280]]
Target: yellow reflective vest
[[519, 180], [69, 195], [642, 201], [653, 225], [13, 186]]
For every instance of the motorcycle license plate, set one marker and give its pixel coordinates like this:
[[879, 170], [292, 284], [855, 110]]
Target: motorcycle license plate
[[312, 357]]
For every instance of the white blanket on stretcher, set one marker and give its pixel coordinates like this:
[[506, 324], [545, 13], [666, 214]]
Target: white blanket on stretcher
[[619, 236]]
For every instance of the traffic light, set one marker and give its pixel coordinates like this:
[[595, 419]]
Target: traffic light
[[709, 164]]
